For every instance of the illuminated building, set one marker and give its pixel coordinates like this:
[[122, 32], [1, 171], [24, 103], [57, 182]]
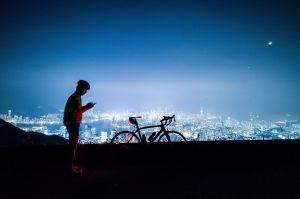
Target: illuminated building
[[103, 137]]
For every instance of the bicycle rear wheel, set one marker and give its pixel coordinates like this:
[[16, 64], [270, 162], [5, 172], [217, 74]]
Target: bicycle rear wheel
[[125, 137], [171, 136]]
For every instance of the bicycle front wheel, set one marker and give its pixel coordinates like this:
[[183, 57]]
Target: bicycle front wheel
[[171, 136], [125, 137]]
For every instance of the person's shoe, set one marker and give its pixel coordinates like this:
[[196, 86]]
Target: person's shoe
[[75, 172], [77, 168]]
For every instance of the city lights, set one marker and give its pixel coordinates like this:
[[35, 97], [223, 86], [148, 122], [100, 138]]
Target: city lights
[[99, 127]]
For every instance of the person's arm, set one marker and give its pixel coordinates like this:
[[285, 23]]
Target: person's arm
[[80, 108]]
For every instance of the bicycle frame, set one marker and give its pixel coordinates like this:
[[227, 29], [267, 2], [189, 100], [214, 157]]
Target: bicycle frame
[[138, 131]]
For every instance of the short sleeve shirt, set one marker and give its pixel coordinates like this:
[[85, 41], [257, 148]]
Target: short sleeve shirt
[[72, 115]]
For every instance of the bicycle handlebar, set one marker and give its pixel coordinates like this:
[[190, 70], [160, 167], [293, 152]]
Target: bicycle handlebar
[[167, 120]]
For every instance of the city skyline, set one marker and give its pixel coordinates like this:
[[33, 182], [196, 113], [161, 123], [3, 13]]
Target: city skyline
[[230, 57], [98, 128]]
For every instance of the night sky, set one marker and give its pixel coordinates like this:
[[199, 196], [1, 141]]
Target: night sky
[[228, 57]]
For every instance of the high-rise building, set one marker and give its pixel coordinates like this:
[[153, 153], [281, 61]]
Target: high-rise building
[[201, 112], [9, 113], [103, 137]]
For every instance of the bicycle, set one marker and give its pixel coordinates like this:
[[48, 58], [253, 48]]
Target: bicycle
[[163, 135]]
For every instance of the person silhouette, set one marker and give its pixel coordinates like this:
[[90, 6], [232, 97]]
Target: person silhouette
[[72, 120]]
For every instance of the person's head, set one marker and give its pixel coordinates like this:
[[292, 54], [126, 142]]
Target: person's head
[[82, 87]]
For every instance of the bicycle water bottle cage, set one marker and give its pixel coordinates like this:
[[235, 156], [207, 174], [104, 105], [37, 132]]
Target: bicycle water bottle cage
[[151, 136]]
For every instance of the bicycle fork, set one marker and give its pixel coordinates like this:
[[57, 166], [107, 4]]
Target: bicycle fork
[[168, 137]]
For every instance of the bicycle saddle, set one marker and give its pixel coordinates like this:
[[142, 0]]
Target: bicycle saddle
[[132, 120], [136, 117]]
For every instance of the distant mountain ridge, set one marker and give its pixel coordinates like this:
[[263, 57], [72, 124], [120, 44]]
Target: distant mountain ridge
[[14, 136]]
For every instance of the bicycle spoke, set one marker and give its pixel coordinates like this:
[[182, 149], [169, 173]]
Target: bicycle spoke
[[125, 137], [172, 136]]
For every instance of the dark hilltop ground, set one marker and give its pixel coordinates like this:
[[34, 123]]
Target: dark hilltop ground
[[227, 169], [13, 136]]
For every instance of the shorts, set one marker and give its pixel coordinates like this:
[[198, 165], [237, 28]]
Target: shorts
[[73, 131]]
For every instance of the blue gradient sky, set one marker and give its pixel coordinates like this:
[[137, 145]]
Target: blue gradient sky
[[145, 54]]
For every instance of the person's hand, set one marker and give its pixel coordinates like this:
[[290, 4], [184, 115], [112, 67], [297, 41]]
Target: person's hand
[[90, 105]]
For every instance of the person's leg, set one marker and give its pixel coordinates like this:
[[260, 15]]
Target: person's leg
[[73, 142], [73, 148]]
